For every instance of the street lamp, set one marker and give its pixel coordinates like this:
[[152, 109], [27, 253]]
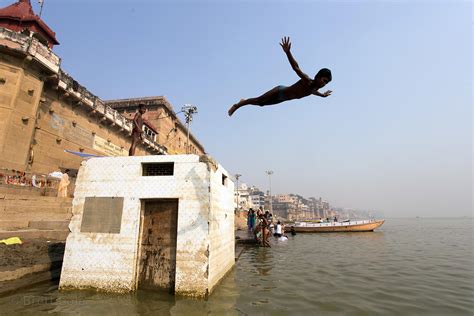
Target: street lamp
[[269, 173], [237, 176], [188, 110]]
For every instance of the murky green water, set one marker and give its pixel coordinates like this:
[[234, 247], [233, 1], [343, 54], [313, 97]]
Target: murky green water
[[408, 267]]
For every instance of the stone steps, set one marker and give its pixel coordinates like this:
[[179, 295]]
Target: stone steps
[[27, 191], [34, 224], [35, 202], [35, 216], [19, 210], [51, 234], [22, 198], [13, 224], [49, 225]]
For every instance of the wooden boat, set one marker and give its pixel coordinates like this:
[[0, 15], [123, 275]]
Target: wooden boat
[[336, 227]]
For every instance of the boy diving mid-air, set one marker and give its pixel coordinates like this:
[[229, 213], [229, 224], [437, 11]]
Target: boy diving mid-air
[[302, 88]]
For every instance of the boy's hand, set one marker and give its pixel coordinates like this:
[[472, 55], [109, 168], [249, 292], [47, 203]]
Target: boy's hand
[[326, 94], [285, 44]]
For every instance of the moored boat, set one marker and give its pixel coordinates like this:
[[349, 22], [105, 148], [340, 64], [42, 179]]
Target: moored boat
[[334, 227]]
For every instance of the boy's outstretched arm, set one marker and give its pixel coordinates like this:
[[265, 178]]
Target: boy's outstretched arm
[[325, 94], [286, 45]]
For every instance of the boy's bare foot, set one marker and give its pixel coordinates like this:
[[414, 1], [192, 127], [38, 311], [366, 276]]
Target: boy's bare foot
[[234, 108]]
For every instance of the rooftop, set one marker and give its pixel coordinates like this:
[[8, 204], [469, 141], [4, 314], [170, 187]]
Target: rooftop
[[22, 13]]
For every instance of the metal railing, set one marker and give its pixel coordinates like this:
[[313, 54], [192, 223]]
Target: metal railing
[[32, 46]]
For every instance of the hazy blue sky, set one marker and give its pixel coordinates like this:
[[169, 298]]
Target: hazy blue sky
[[395, 136]]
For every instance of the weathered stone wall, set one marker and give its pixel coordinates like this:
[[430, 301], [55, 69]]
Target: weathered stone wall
[[20, 91], [46, 122], [221, 227], [108, 261]]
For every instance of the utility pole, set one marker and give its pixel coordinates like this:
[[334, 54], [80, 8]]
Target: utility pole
[[41, 3], [269, 173], [188, 110], [237, 176]]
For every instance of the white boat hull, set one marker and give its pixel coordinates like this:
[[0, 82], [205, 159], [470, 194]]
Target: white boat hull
[[335, 227]]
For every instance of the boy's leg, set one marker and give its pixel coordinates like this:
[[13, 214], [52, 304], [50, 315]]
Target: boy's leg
[[135, 138], [267, 233], [268, 98]]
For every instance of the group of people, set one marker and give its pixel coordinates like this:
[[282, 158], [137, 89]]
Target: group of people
[[20, 178], [261, 224], [15, 177]]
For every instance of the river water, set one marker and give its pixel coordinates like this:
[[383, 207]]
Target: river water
[[406, 267]]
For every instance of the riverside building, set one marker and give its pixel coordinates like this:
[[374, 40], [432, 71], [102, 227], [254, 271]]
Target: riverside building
[[44, 111]]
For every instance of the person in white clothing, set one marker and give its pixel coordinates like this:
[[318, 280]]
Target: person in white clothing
[[63, 184], [278, 230]]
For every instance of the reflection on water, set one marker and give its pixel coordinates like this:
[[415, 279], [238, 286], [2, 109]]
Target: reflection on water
[[408, 267], [46, 298]]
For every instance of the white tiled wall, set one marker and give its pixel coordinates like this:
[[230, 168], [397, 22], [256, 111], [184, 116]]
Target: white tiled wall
[[205, 239]]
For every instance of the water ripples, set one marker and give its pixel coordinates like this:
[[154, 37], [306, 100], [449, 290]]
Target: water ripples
[[400, 269], [409, 267]]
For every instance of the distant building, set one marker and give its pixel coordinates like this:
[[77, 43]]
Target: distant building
[[249, 197], [241, 197], [257, 197]]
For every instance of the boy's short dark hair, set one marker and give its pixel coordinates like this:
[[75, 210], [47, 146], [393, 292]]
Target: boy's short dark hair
[[141, 106], [324, 72]]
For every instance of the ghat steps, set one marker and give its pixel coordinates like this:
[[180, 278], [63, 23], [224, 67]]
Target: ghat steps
[[27, 215]]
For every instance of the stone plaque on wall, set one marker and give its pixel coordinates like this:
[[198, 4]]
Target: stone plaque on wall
[[108, 148], [102, 215]]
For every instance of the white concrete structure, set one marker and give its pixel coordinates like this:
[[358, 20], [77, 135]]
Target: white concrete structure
[[150, 221]]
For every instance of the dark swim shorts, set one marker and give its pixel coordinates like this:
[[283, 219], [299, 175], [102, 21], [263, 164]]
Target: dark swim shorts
[[281, 93]]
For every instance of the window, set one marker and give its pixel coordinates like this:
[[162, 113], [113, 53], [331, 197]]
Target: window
[[158, 169], [149, 133]]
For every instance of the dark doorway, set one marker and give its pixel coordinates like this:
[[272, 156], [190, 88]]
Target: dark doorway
[[157, 264]]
